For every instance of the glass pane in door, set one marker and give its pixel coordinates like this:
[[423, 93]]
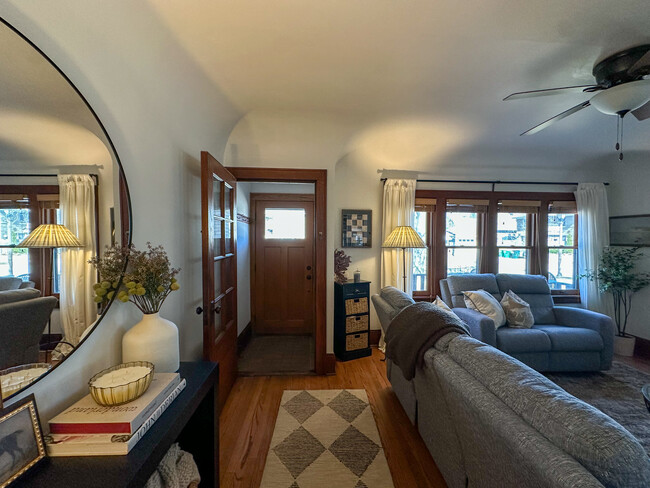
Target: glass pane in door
[[227, 202], [284, 223]]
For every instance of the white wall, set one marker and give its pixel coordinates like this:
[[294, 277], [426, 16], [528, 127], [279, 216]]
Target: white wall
[[161, 111], [629, 195], [352, 152]]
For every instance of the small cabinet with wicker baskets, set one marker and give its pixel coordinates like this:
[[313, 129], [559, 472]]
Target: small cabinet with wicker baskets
[[351, 320]]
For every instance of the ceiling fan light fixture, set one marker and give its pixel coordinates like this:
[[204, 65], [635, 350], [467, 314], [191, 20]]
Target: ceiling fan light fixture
[[621, 99]]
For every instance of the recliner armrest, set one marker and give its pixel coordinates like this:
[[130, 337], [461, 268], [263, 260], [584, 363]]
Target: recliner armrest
[[601, 323], [481, 327]]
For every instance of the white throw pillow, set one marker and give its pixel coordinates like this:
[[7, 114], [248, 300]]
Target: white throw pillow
[[484, 302], [438, 302], [517, 311]]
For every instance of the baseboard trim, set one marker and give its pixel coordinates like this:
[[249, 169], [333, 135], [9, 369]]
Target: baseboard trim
[[330, 364], [642, 348], [244, 338], [374, 336]]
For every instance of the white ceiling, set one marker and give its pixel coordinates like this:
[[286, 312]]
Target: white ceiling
[[447, 61], [441, 65], [43, 122]]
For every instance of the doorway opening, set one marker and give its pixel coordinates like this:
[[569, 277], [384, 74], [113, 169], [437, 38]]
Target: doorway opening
[[281, 243]]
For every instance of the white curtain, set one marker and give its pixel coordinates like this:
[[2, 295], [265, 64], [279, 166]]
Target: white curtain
[[593, 237], [399, 209], [77, 206]]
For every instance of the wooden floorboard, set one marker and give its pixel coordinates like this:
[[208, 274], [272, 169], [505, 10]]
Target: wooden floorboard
[[248, 419]]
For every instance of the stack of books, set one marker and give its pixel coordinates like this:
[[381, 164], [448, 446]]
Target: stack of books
[[87, 429]]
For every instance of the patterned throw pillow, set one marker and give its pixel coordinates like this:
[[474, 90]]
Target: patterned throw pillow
[[517, 311], [482, 301], [438, 302]]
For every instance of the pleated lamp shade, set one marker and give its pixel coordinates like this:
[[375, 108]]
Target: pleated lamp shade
[[405, 237], [50, 235]]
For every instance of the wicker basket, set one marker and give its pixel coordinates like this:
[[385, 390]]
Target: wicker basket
[[356, 341], [356, 323], [356, 305]]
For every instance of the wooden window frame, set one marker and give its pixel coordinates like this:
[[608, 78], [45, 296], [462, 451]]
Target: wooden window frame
[[489, 263]]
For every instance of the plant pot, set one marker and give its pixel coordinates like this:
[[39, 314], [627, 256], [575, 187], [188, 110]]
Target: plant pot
[[624, 346], [153, 339]]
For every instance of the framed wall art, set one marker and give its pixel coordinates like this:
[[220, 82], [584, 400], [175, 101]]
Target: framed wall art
[[629, 230], [356, 228], [21, 440]]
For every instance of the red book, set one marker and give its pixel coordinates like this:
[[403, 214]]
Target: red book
[[87, 417]]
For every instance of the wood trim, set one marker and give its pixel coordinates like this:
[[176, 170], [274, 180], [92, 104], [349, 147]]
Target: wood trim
[[642, 348], [330, 364], [319, 177], [244, 338], [286, 197], [373, 336]]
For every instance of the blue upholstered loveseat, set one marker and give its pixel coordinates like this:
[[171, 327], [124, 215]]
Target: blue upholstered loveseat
[[562, 339]]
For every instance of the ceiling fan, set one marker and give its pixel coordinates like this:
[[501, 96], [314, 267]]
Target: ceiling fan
[[620, 88]]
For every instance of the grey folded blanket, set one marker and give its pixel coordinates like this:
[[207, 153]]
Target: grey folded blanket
[[415, 330]]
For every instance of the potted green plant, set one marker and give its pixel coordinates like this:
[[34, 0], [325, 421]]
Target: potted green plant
[[616, 275]]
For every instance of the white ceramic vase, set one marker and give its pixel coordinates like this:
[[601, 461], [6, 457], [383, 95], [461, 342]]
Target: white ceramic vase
[[624, 346], [153, 339]]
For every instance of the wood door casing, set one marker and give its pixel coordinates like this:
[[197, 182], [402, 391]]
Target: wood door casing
[[219, 240], [283, 299], [319, 178]]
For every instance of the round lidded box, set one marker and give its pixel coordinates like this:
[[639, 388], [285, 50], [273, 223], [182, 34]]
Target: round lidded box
[[122, 383]]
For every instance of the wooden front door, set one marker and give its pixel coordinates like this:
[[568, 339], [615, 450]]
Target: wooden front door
[[283, 264], [219, 239]]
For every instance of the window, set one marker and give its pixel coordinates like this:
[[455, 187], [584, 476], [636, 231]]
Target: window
[[496, 232], [22, 209], [14, 227], [464, 222], [562, 246], [284, 223]]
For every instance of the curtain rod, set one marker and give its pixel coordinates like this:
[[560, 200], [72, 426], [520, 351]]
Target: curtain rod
[[43, 175], [498, 182]]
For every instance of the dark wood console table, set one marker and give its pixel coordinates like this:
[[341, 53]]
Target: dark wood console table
[[192, 420]]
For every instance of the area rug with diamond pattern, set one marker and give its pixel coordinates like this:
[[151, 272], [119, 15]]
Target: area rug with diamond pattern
[[325, 438]]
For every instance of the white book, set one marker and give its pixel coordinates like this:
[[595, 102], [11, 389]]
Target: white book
[[58, 445], [86, 417]]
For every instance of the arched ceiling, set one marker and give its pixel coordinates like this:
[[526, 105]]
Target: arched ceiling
[[446, 62], [43, 122]]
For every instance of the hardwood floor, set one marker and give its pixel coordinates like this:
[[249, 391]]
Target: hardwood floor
[[642, 364], [248, 419]]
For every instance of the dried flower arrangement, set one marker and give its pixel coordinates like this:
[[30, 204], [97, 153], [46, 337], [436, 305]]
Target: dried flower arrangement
[[341, 265], [148, 276]]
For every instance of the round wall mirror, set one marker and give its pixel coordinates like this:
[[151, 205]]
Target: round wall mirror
[[63, 198]]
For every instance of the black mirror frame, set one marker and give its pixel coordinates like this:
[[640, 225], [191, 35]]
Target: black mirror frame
[[121, 175]]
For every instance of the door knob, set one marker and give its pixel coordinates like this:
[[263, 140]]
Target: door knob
[[309, 277]]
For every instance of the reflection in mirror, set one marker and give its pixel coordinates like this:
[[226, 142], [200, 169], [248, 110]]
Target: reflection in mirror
[[56, 167]]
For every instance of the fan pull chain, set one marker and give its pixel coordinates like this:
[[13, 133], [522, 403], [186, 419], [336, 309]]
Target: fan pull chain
[[619, 136], [620, 155]]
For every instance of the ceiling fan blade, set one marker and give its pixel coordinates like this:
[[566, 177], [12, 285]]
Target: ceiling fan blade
[[643, 112], [643, 62], [551, 91], [552, 120]]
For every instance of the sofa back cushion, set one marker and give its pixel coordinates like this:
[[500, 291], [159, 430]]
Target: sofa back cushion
[[460, 283], [9, 283], [12, 296], [534, 290], [596, 441]]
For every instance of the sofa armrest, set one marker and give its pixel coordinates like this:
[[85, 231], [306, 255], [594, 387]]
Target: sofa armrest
[[481, 327], [603, 324]]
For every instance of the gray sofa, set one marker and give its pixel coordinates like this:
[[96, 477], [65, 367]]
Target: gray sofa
[[14, 283], [490, 421], [21, 327], [562, 339]]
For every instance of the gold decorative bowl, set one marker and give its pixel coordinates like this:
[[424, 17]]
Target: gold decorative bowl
[[111, 396], [18, 377]]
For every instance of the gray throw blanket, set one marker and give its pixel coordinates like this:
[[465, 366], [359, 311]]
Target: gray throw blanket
[[415, 330]]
